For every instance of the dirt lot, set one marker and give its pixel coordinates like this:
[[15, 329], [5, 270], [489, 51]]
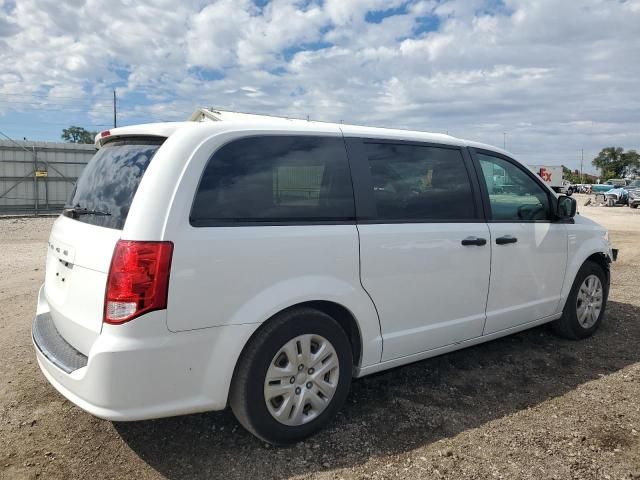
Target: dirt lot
[[527, 406]]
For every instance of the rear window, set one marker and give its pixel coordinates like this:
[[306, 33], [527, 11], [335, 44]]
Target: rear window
[[275, 179], [104, 192]]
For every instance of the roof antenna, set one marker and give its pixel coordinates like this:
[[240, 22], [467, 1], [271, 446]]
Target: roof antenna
[[307, 118]]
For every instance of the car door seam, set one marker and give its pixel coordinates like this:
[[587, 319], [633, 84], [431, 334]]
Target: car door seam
[[375, 307], [355, 205], [486, 304], [560, 306]]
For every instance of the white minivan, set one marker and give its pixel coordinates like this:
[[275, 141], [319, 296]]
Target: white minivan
[[263, 265]]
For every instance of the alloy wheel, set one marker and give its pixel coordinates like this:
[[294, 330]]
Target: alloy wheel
[[589, 301]]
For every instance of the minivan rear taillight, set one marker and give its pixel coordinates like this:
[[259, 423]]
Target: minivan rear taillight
[[138, 280]]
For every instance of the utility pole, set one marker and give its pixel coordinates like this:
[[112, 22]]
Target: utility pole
[[581, 162], [115, 118]]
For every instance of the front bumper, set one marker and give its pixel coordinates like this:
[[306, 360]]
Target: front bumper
[[141, 370]]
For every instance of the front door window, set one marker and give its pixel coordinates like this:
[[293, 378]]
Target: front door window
[[513, 195]]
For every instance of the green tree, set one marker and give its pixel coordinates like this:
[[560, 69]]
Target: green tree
[[614, 162], [75, 134], [569, 175]]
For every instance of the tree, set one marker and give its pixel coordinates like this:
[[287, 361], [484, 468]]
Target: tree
[[570, 176], [75, 134], [614, 162]]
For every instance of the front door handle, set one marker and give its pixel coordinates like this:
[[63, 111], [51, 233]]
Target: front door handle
[[474, 241], [506, 239]]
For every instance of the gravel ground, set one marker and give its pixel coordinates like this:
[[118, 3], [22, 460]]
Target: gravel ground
[[526, 406]]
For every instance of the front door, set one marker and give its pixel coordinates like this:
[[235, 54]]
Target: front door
[[529, 250], [424, 246]]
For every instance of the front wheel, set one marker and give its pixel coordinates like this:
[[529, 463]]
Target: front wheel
[[586, 303], [293, 376]]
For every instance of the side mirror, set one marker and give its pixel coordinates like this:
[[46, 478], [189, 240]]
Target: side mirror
[[566, 207]]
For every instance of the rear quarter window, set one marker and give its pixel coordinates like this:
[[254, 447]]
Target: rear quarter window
[[275, 179], [110, 180]]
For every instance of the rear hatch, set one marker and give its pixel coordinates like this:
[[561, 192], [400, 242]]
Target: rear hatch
[[83, 238]]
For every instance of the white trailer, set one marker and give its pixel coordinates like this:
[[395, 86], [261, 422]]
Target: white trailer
[[552, 176]]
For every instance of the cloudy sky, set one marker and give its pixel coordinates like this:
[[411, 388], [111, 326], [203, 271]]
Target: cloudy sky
[[554, 75]]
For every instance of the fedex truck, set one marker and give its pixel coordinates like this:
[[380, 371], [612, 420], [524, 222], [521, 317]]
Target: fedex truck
[[552, 176]]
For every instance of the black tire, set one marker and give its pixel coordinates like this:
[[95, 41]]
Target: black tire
[[570, 192], [635, 205], [568, 325], [246, 395]]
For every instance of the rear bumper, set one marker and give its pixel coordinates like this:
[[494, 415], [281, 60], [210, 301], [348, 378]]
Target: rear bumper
[[53, 347], [141, 370]]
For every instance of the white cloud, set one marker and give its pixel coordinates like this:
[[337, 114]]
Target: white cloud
[[214, 33], [556, 76], [349, 12]]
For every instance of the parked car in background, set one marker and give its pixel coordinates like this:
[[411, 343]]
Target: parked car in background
[[581, 188], [263, 265], [615, 196], [634, 193], [608, 185]]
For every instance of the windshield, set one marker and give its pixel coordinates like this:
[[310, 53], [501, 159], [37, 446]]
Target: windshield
[[105, 190]]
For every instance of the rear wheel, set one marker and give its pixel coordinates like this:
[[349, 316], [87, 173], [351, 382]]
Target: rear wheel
[[293, 376], [586, 303]]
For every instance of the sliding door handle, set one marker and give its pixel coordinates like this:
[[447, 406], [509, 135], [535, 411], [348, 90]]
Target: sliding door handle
[[506, 239], [474, 241]]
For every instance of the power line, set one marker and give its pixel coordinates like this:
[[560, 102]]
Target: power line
[[56, 124], [46, 95], [86, 97], [28, 98], [52, 110], [53, 104], [49, 108], [69, 106]]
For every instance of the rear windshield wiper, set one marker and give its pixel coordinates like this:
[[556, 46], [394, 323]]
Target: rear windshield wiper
[[75, 212]]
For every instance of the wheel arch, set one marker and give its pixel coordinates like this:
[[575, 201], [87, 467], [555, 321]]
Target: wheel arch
[[347, 321], [602, 260], [248, 383], [598, 257], [570, 325], [341, 314]]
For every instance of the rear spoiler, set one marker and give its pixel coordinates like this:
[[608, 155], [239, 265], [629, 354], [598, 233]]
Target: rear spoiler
[[100, 142]]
